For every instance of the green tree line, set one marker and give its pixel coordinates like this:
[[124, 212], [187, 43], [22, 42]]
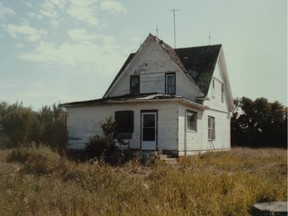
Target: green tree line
[[21, 126], [259, 123], [256, 123]]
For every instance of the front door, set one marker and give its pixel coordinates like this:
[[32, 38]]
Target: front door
[[148, 130]]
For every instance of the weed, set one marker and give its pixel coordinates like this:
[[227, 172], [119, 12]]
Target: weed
[[226, 183]]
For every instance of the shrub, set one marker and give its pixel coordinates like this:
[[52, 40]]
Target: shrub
[[102, 145], [36, 160]]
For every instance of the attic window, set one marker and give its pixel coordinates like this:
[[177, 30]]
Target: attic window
[[135, 85], [170, 83]]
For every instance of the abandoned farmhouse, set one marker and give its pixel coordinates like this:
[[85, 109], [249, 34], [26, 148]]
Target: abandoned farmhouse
[[163, 99]]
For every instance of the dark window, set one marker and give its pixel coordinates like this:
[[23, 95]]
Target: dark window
[[149, 127], [170, 83], [211, 128], [124, 124], [191, 120], [134, 85], [213, 89], [222, 93]]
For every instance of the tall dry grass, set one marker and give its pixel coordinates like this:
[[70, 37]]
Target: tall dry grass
[[220, 183]]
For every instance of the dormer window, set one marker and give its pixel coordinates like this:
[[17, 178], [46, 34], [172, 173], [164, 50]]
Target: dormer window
[[170, 83], [135, 85]]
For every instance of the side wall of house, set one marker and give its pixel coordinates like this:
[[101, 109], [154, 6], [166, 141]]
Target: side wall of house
[[190, 141], [222, 131], [193, 142], [218, 108], [84, 122]]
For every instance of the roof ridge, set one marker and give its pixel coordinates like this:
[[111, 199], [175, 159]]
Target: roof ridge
[[173, 55], [195, 47]]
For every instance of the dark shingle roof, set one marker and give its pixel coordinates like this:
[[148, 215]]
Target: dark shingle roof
[[200, 63]]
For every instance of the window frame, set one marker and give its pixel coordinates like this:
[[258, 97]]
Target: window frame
[[124, 126], [135, 90], [213, 88], [222, 92], [168, 86], [211, 128], [191, 127]]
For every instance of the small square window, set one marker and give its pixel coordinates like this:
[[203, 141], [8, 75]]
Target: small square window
[[191, 120]]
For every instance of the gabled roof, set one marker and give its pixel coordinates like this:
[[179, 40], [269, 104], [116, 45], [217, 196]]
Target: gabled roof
[[197, 62], [130, 57], [171, 52], [200, 63]]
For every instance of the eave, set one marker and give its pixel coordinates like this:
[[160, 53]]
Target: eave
[[144, 98]]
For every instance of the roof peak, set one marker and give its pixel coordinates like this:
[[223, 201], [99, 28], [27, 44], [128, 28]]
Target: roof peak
[[160, 41]]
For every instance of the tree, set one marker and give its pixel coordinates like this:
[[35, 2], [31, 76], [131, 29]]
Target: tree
[[20, 126], [53, 122], [259, 123]]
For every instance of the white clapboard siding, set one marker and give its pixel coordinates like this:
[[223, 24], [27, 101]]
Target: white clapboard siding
[[222, 131], [151, 63], [220, 78], [84, 122], [190, 142]]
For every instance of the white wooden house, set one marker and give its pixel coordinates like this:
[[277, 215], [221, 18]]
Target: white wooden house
[[164, 99]]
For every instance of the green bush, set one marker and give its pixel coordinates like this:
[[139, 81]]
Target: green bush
[[102, 145], [99, 146]]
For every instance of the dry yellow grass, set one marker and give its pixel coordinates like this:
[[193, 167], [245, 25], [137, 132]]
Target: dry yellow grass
[[220, 183]]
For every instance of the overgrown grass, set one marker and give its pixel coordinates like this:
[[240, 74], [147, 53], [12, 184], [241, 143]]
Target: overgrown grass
[[221, 183]]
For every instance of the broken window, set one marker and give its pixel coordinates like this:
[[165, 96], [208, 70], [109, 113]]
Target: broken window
[[170, 83], [211, 128], [191, 120], [135, 85], [124, 124]]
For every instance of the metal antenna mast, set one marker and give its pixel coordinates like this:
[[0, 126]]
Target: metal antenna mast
[[210, 37], [174, 10], [157, 29]]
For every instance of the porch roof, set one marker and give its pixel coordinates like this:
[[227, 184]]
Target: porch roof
[[141, 98]]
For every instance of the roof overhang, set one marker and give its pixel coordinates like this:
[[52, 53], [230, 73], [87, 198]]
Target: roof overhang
[[147, 98]]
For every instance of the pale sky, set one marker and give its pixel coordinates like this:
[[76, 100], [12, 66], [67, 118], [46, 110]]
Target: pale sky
[[69, 50]]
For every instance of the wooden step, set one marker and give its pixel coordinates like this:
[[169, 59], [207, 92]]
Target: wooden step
[[167, 158]]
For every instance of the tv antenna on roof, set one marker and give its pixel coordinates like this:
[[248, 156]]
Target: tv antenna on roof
[[210, 37], [174, 10], [157, 30]]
